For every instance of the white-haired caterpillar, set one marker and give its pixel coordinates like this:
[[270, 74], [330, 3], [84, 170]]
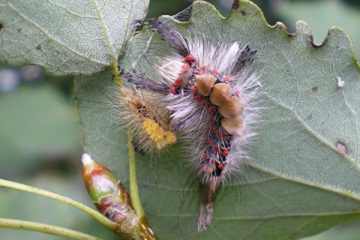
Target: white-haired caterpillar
[[113, 201], [211, 92]]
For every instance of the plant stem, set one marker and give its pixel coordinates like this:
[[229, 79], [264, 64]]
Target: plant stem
[[91, 212], [134, 189], [45, 228], [116, 72]]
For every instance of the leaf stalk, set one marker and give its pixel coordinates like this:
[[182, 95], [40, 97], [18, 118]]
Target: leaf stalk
[[134, 189], [45, 228], [66, 200]]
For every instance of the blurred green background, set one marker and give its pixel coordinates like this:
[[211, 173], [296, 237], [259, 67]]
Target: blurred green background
[[40, 139]]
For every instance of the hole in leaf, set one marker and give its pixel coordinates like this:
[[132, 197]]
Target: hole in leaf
[[341, 148]]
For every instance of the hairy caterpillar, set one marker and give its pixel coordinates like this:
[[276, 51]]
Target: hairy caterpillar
[[113, 201], [211, 92], [138, 110]]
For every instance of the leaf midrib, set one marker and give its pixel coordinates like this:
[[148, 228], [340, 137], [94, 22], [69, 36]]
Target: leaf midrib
[[105, 31], [264, 217]]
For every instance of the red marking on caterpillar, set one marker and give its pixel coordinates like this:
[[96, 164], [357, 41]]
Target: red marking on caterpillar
[[176, 86], [189, 59]]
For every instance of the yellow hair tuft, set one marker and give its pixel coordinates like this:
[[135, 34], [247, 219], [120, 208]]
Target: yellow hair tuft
[[157, 134]]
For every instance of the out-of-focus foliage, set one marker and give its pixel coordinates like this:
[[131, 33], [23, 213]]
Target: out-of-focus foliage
[[37, 126], [160, 7]]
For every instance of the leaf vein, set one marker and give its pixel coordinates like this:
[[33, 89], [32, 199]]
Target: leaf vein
[[50, 36]]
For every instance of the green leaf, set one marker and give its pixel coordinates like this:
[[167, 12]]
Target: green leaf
[[67, 37], [348, 231], [298, 182], [321, 15]]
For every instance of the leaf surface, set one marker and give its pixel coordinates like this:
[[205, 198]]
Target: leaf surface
[[64, 36], [304, 174], [347, 231]]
